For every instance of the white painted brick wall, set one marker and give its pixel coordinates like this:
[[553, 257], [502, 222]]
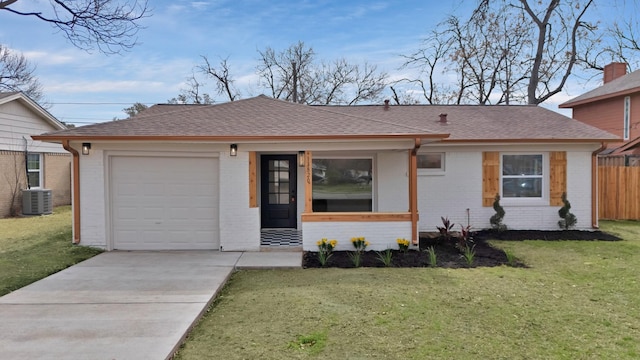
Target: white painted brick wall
[[460, 189], [92, 200], [392, 181], [381, 235], [239, 224]]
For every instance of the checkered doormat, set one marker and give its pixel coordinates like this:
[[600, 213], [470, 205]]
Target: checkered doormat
[[280, 237]]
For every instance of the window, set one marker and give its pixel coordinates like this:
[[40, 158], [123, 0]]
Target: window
[[430, 163], [342, 185], [279, 182], [34, 170], [627, 113], [522, 176]]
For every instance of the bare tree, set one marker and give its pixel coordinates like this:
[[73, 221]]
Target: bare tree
[[508, 50], [17, 74], [16, 176], [135, 109], [295, 75], [559, 30], [109, 25], [192, 94], [621, 43], [428, 61], [222, 77], [277, 70]]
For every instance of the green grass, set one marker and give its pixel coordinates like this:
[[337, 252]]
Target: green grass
[[32, 248], [577, 300]]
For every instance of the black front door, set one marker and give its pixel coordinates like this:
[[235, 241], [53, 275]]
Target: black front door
[[278, 191]]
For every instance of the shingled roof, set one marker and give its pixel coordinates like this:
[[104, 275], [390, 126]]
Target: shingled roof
[[484, 122], [621, 86], [266, 118]]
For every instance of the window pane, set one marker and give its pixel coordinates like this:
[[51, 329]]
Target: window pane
[[522, 187], [34, 179], [342, 185], [430, 161], [33, 161], [522, 165]]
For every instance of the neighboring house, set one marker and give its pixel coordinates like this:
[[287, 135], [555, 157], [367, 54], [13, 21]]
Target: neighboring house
[[47, 165], [226, 176], [613, 107]]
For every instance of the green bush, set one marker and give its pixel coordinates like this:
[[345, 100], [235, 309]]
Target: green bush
[[568, 220]]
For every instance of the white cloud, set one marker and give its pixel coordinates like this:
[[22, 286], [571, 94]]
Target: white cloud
[[106, 86], [199, 5], [48, 58]]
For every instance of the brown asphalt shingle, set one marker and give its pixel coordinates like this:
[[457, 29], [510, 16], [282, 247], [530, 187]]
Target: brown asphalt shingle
[[265, 117], [484, 122]]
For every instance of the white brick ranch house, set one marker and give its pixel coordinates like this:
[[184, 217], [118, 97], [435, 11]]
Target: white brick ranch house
[[224, 176]]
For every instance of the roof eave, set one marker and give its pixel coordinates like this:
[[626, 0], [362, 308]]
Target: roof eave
[[61, 137], [572, 103], [36, 108], [523, 140]]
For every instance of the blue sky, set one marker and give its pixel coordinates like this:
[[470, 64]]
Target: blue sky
[[84, 87]]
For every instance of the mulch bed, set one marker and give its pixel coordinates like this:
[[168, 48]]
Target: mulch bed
[[448, 256]]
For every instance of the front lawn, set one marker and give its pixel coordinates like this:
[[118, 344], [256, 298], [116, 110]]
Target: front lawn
[[577, 300], [32, 248]]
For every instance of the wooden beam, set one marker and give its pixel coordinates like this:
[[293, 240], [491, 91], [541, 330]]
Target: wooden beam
[[355, 217], [253, 180], [308, 182]]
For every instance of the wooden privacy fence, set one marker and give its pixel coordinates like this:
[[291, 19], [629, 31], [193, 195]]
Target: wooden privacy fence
[[619, 188]]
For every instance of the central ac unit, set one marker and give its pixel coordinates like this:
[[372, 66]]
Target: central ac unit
[[37, 202]]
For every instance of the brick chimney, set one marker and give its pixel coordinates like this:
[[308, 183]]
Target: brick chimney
[[443, 118], [614, 71]]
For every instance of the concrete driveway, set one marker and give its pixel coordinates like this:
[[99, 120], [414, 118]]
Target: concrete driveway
[[119, 305]]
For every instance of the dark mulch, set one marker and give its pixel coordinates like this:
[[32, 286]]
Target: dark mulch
[[448, 256], [545, 235]]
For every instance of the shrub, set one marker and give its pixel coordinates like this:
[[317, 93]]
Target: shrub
[[511, 258], [385, 257], [568, 220], [445, 229], [469, 253], [433, 261], [403, 244], [325, 250], [466, 237], [496, 219]]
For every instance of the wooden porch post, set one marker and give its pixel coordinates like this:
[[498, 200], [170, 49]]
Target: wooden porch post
[[308, 182]]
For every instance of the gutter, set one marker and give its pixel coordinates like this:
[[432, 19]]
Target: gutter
[[413, 191], [594, 186], [76, 190]]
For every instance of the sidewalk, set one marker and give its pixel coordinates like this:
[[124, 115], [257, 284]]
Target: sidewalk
[[121, 305]]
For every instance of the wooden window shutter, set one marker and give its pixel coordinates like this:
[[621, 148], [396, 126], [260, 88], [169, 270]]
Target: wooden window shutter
[[490, 177], [557, 177]]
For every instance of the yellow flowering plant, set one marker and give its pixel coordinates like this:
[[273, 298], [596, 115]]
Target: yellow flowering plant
[[403, 244], [325, 250], [360, 244]]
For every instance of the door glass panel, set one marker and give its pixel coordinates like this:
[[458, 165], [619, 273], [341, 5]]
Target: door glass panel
[[279, 182]]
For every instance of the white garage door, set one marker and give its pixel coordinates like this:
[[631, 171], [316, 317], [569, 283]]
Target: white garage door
[[164, 203]]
